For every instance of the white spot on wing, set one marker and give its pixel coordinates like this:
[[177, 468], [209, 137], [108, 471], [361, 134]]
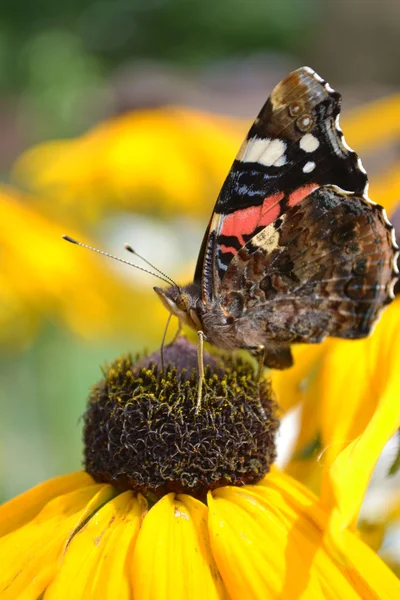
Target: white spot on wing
[[342, 140], [345, 144], [314, 74], [319, 79], [280, 162], [265, 151], [308, 167], [361, 166], [309, 143], [337, 123], [267, 239], [390, 291]]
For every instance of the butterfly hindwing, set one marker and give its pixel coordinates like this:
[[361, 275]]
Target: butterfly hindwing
[[322, 270]]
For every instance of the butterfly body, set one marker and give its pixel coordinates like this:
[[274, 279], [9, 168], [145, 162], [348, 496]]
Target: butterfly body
[[295, 251]]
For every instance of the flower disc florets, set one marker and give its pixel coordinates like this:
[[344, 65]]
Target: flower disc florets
[[144, 432]]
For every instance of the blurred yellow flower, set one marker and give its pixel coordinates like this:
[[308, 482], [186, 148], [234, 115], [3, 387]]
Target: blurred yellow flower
[[383, 120], [155, 161], [174, 159], [41, 278]]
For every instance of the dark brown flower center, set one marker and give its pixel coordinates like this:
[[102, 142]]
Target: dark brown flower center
[[143, 432]]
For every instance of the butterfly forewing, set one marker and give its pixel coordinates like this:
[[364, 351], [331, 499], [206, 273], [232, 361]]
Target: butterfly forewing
[[293, 147]]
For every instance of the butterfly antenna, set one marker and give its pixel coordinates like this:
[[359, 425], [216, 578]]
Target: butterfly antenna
[[130, 249], [126, 262]]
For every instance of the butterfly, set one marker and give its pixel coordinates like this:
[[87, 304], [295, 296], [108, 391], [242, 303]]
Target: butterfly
[[295, 251]]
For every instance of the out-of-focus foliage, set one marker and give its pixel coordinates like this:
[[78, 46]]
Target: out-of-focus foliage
[[59, 56], [184, 31]]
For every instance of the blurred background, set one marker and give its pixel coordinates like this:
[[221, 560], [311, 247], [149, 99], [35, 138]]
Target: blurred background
[[118, 122]]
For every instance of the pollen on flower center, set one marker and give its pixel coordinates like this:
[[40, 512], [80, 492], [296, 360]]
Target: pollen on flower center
[[142, 430]]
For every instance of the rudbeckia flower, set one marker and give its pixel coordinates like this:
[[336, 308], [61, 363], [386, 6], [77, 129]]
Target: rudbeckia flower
[[183, 502], [41, 280]]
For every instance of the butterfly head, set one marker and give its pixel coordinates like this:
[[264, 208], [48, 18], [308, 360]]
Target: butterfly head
[[183, 303]]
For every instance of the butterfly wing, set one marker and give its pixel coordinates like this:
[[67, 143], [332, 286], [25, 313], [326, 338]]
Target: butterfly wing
[[325, 268], [294, 245]]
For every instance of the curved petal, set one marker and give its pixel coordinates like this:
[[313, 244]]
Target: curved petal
[[257, 552], [290, 385], [300, 385], [97, 560], [29, 556], [172, 557], [369, 574], [26, 506], [344, 565], [361, 412]]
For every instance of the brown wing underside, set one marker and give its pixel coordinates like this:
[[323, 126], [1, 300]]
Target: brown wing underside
[[324, 269]]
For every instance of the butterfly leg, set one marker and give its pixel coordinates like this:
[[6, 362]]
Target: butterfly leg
[[163, 345], [200, 350], [261, 357], [178, 332]]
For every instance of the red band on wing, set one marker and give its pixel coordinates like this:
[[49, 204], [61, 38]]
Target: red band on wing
[[299, 194], [244, 221], [230, 249]]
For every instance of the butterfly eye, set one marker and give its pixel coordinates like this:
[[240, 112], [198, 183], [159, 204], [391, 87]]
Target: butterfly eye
[[183, 302]]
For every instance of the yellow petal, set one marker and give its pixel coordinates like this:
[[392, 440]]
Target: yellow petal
[[257, 554], [29, 555], [345, 566], [290, 385], [97, 561], [23, 508], [361, 413], [172, 557], [300, 386], [370, 575]]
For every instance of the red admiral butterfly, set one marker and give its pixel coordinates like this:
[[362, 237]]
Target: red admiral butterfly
[[295, 251]]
